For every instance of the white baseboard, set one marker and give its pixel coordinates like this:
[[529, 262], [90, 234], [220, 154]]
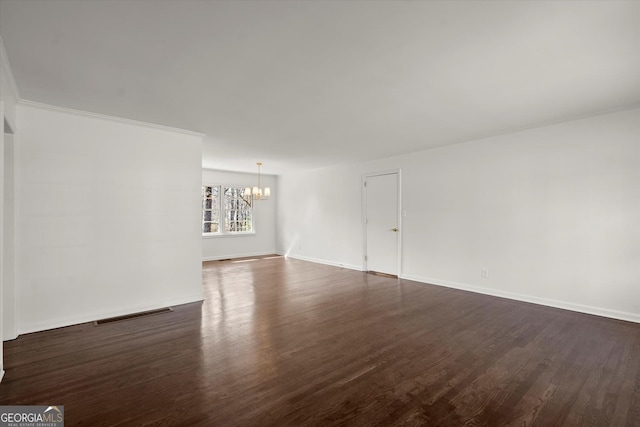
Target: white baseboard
[[598, 311], [90, 317], [323, 261], [232, 256]]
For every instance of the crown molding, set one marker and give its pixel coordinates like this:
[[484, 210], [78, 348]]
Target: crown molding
[[6, 70], [56, 108]]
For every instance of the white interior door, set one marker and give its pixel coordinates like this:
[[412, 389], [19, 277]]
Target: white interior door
[[382, 225]]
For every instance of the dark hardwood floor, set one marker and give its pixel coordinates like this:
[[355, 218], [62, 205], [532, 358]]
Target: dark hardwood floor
[[289, 343]]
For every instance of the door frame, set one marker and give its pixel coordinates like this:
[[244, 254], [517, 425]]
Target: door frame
[[363, 188]]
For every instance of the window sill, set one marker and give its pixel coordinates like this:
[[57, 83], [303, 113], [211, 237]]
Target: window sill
[[216, 236]]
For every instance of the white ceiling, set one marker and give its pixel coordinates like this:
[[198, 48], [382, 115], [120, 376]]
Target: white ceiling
[[301, 84]]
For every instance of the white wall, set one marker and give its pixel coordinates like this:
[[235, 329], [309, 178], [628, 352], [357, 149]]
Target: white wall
[[8, 243], [8, 98], [552, 212], [107, 218], [263, 242], [8, 89], [2, 290], [319, 215]]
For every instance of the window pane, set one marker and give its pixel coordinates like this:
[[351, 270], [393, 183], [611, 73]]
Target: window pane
[[210, 227], [237, 210], [210, 209], [210, 215], [210, 197]]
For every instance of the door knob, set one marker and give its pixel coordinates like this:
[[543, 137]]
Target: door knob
[[394, 229]]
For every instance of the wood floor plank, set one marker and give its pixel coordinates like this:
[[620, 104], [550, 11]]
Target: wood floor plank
[[282, 342]]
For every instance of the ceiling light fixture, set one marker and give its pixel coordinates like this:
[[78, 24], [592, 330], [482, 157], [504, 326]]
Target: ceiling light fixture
[[258, 193]]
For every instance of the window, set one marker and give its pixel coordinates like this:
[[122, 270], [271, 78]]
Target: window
[[237, 211], [226, 210], [211, 209]]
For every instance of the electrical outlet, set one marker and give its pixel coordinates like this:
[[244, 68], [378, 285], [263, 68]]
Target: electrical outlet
[[484, 273]]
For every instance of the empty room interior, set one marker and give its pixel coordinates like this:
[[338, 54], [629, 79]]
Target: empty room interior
[[321, 212]]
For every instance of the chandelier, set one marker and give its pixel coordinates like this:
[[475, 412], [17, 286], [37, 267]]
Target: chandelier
[[258, 193]]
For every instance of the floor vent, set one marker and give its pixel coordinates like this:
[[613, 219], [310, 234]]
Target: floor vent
[[133, 316]]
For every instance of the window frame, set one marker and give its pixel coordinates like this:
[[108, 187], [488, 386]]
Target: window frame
[[222, 214]]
